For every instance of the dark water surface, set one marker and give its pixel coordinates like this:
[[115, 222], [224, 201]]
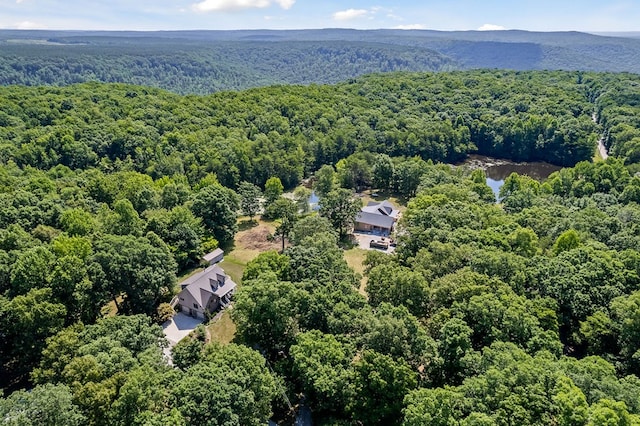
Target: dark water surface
[[498, 170]]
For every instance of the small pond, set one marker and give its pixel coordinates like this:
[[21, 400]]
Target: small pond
[[313, 201], [497, 170]]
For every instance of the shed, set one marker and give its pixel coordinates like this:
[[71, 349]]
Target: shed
[[214, 257]]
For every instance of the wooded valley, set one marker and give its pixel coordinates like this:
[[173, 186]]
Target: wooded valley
[[204, 62]]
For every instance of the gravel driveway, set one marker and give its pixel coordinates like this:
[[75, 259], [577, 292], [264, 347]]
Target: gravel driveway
[[365, 239]]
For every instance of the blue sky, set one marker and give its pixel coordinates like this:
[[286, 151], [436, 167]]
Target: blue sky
[[540, 15]]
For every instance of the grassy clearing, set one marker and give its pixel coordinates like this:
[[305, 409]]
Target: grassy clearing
[[355, 259], [251, 240], [233, 267], [222, 330]]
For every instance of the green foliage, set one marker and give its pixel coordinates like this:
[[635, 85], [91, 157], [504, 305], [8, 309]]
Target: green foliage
[[116, 374], [493, 307], [77, 222], [243, 396], [310, 227], [626, 320], [378, 388], [286, 212], [47, 405], [190, 62], [322, 364], [217, 207], [324, 180], [249, 199], [340, 207], [398, 286], [182, 232], [568, 240], [124, 220], [27, 320], [190, 350], [272, 190], [264, 313], [141, 270]]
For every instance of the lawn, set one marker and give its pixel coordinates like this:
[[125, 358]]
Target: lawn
[[222, 330], [252, 239], [355, 259]]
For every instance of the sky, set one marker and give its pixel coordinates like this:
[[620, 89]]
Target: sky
[[537, 15]]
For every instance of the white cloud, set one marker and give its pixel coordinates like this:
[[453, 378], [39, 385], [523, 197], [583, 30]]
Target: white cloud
[[346, 15], [491, 27], [411, 27], [29, 25], [233, 5]]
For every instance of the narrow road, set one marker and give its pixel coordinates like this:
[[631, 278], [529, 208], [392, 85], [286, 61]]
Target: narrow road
[[601, 148]]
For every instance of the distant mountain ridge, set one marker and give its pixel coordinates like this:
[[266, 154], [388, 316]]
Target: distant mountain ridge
[[209, 61]]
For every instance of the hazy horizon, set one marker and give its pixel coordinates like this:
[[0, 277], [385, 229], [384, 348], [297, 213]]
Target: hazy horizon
[[182, 15]]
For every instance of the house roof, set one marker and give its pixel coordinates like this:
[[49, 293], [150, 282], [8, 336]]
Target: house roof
[[382, 214], [213, 255], [225, 289], [384, 208], [375, 219], [199, 285]]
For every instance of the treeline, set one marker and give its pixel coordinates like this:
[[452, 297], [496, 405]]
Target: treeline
[[525, 312], [618, 110], [191, 67], [203, 62], [290, 131]]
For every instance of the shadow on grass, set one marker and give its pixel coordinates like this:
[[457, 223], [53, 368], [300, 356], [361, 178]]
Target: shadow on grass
[[244, 225]]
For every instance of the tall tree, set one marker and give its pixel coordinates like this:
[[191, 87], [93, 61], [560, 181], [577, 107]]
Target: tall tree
[[286, 211], [232, 386], [324, 182], [383, 171], [124, 220], [27, 320], [273, 189], [249, 199], [341, 208], [217, 206], [140, 270]]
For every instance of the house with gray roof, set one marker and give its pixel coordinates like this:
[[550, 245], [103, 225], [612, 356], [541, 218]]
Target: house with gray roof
[[205, 292], [377, 217]]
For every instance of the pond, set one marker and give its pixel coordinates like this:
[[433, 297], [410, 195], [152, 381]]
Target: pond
[[313, 201], [497, 170]]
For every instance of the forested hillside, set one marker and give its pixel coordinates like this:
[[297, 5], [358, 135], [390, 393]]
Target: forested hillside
[[203, 62], [289, 131], [201, 67], [524, 311]]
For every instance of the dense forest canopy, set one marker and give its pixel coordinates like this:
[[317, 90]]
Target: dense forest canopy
[[290, 131], [524, 311], [203, 62]]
